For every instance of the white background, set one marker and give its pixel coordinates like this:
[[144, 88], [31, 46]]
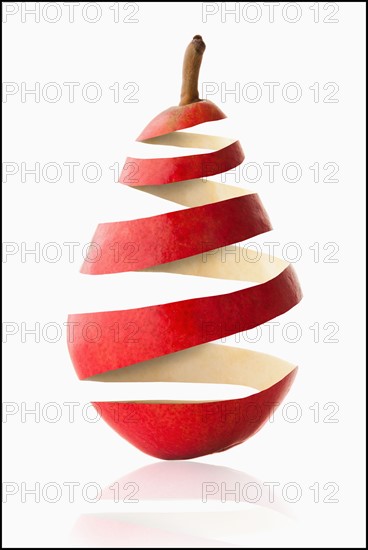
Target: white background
[[149, 53]]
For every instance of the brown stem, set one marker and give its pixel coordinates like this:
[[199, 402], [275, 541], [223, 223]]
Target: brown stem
[[191, 65]]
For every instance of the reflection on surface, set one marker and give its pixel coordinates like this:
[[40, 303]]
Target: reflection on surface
[[165, 530], [183, 481]]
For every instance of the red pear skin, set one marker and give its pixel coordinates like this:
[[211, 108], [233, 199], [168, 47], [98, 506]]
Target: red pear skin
[[183, 430]]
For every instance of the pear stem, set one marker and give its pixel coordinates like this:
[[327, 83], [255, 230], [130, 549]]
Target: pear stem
[[191, 65]]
